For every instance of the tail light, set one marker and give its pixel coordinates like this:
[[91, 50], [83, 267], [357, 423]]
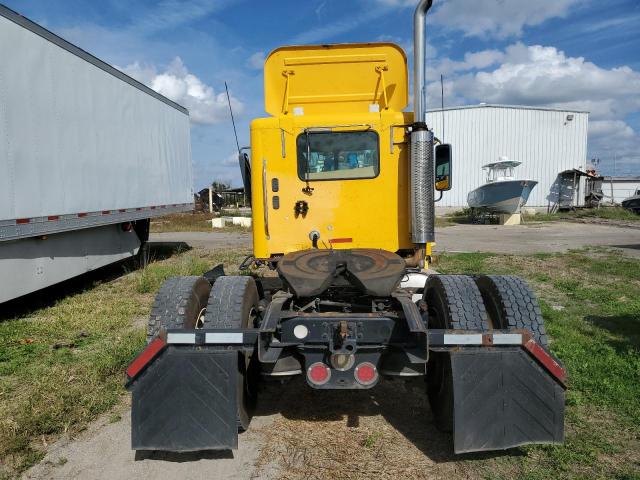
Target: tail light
[[366, 373], [318, 373]]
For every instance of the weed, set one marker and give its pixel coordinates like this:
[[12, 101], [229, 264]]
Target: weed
[[604, 213], [371, 439]]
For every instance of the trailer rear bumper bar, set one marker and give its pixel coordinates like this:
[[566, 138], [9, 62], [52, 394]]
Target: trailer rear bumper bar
[[437, 341]]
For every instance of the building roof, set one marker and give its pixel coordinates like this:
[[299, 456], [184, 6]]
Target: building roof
[[516, 107]]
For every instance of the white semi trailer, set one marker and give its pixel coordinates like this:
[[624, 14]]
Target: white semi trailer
[[87, 156]]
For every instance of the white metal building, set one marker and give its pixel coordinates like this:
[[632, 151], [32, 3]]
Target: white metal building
[[617, 189], [546, 141]]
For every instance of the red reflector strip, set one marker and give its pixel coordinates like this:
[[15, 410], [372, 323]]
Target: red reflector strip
[[547, 361], [53, 217], [340, 240], [106, 212], [22, 221], [145, 357], [80, 215]]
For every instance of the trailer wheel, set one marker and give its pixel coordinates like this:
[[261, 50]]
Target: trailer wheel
[[233, 303], [510, 303], [180, 303], [453, 302]]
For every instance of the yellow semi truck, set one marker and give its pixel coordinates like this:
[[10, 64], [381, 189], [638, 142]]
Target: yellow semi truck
[[343, 182]]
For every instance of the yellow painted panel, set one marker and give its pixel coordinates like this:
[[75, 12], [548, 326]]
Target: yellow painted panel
[[347, 78], [314, 60], [359, 213]]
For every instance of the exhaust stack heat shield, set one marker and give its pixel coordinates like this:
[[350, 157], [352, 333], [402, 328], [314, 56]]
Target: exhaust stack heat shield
[[422, 181]]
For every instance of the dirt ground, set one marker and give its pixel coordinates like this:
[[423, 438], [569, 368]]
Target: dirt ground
[[102, 452], [520, 239], [354, 426], [537, 237]]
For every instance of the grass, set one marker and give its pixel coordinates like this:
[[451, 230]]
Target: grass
[[191, 222], [62, 366], [614, 214], [605, 214], [454, 218]]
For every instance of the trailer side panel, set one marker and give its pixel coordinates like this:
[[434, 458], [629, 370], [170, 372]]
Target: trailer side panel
[[77, 137], [30, 264]]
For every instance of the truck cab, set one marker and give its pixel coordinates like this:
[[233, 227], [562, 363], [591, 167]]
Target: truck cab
[[329, 165]]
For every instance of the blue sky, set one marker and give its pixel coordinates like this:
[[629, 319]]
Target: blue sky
[[578, 54]]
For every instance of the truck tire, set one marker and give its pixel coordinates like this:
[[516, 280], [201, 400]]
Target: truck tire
[[510, 303], [453, 302], [180, 303], [233, 303]]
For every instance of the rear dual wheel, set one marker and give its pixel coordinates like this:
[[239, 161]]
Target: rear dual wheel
[[511, 304], [180, 303], [474, 303], [233, 303], [453, 302], [191, 302]]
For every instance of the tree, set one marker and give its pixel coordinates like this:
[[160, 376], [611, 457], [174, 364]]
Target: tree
[[220, 186]]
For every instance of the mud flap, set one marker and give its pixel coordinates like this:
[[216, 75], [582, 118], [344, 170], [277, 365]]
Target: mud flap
[[502, 399], [186, 401]]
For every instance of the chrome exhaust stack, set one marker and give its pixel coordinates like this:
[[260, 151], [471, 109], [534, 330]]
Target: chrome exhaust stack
[[421, 169]]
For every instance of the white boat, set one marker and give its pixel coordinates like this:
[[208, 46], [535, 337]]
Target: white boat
[[502, 193]]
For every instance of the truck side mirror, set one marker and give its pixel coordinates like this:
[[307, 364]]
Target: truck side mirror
[[443, 167]]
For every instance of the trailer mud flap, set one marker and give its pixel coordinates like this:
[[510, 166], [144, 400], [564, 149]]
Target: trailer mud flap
[[502, 399], [186, 401]]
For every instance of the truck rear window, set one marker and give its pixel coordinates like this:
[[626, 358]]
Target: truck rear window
[[338, 155]]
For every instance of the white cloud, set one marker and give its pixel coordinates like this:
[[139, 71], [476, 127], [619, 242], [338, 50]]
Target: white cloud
[[602, 128], [472, 61], [256, 61], [545, 76], [339, 26], [176, 83], [493, 18], [496, 18], [169, 14], [220, 168], [537, 75], [230, 161]]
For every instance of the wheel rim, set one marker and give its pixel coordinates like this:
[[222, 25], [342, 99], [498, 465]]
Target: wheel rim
[[437, 319], [200, 319]]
